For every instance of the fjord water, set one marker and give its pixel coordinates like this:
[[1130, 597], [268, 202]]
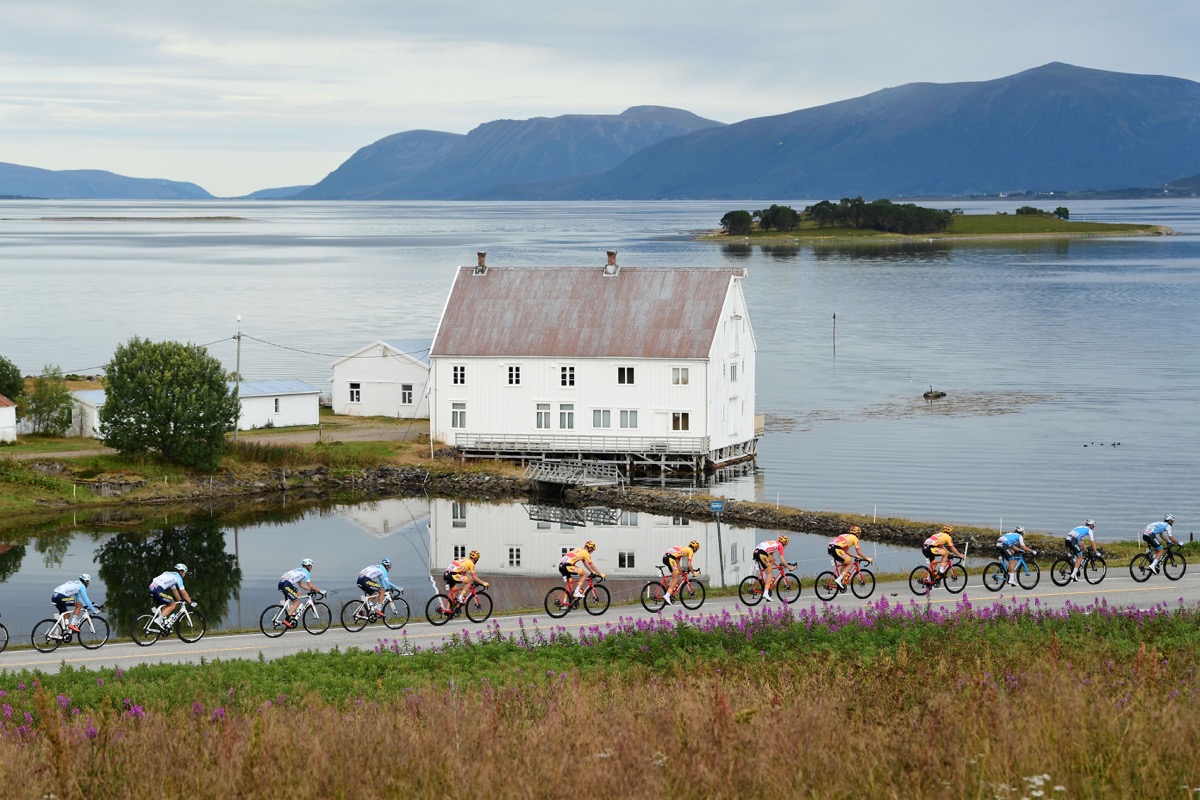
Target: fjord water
[[1071, 367]]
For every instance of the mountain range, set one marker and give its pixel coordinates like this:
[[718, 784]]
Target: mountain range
[[1056, 128]]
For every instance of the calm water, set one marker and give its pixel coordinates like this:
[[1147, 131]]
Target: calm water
[[1071, 366]]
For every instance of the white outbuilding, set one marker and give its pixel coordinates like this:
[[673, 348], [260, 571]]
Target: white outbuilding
[[277, 404], [8, 420], [389, 378], [85, 413]]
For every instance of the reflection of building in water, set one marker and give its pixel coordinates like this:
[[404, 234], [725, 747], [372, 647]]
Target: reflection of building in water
[[382, 518]]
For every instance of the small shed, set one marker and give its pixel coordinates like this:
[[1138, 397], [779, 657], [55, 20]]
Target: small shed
[[277, 404], [85, 413], [8, 420], [388, 378]]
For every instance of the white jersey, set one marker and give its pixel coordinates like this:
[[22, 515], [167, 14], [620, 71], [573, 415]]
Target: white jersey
[[69, 589], [375, 572], [166, 581], [296, 575]]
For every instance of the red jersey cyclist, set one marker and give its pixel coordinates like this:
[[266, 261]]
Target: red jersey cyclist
[[573, 563], [940, 545], [839, 547], [769, 555], [675, 558]]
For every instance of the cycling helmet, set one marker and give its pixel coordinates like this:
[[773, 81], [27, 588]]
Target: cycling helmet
[[694, 545], [1169, 519], [854, 529], [473, 555], [783, 540], [947, 529], [1019, 530], [386, 563], [85, 578], [306, 563], [1091, 523], [590, 546], [181, 567]]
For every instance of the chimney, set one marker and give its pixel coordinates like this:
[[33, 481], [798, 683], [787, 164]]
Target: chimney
[[611, 268], [480, 265]]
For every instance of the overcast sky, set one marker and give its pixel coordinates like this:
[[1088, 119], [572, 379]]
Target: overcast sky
[[246, 95]]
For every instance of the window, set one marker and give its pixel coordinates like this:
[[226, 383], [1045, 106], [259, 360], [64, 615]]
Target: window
[[679, 376], [566, 415], [680, 421], [514, 376], [458, 415], [601, 418], [625, 375], [567, 376], [566, 550], [629, 418], [733, 373], [629, 518], [514, 556], [733, 553], [543, 415], [543, 526], [406, 394], [566, 526], [459, 376], [356, 393], [276, 405], [625, 559], [458, 514], [680, 521], [460, 551]]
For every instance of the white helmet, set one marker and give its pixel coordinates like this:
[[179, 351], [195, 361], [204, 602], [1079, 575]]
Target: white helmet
[[1019, 530], [181, 567], [307, 563], [1169, 519], [85, 578]]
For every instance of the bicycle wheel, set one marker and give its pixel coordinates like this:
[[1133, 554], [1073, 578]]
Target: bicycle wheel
[[1095, 570], [691, 593], [994, 576], [825, 587], [191, 627], [143, 631], [955, 579], [1060, 571], [652, 598], [3, 637], [863, 584], [435, 611], [557, 602], [396, 613], [479, 607], [271, 622], [41, 637], [787, 588], [1029, 580], [1139, 568], [354, 615], [93, 632], [1174, 565], [750, 590], [317, 618], [920, 580], [596, 600]]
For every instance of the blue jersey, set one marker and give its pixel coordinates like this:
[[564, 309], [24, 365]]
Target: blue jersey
[[1080, 532], [379, 573], [77, 590], [1011, 540], [1157, 529]]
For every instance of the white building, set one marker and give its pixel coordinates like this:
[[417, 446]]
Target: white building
[[389, 378], [8, 420], [85, 413], [277, 404], [653, 365]]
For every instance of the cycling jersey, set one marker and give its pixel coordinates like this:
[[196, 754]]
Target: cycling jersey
[[167, 581], [375, 573], [572, 556], [1157, 529], [72, 590], [845, 541], [295, 576], [681, 552], [939, 540], [461, 566], [1081, 532], [1009, 540], [770, 546]]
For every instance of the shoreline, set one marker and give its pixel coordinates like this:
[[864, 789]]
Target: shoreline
[[715, 235]]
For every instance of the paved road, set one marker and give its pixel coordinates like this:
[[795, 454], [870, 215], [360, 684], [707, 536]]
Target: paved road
[[1118, 589]]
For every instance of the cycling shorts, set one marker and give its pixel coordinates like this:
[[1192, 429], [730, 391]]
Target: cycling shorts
[[161, 597], [289, 590], [1004, 550], [1073, 547], [369, 585], [1152, 540], [763, 558], [931, 553], [838, 554], [62, 602], [568, 570], [671, 562], [456, 577]]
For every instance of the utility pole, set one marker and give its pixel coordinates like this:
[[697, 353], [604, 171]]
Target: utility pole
[[237, 374]]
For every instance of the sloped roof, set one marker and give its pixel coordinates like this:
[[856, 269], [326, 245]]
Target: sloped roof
[[416, 349], [579, 312], [5, 402], [273, 388], [93, 397]]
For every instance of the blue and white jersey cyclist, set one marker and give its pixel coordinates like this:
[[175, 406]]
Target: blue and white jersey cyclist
[[167, 589], [1007, 545], [373, 580], [291, 582], [73, 591], [1085, 533], [1151, 535]]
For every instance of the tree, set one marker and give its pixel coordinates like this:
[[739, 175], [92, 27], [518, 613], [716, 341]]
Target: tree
[[169, 398], [1062, 212], [12, 385], [48, 406], [737, 223]]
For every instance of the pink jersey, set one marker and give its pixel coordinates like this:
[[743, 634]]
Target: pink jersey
[[771, 546]]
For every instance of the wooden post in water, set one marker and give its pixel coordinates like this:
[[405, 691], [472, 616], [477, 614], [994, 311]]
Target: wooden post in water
[[835, 334]]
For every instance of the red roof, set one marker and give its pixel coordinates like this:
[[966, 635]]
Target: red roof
[[4, 402], [579, 312]]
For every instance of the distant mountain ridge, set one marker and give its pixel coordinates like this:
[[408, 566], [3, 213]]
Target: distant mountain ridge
[[91, 184]]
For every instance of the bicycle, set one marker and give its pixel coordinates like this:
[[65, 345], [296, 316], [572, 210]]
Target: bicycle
[[752, 587], [1093, 566], [690, 591], [315, 616], [1173, 564], [860, 581], [995, 574], [188, 623], [3, 637], [596, 598], [477, 604], [921, 581], [50, 633], [357, 614]]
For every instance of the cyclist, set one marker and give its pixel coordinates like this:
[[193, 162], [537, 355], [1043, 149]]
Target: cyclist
[[373, 580], [940, 545], [838, 551], [1007, 546], [1153, 531], [769, 555], [291, 582], [572, 564], [167, 590], [73, 590], [673, 558], [1074, 543], [461, 574]]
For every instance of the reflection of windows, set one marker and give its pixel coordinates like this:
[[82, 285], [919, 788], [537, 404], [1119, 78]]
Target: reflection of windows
[[625, 559], [514, 556], [566, 376], [733, 554], [680, 421], [733, 373], [543, 415], [458, 415], [459, 376], [458, 514], [543, 526], [680, 521], [629, 418], [406, 394], [629, 517], [679, 376], [356, 393], [601, 418], [566, 526], [460, 551], [625, 375], [514, 376], [566, 415]]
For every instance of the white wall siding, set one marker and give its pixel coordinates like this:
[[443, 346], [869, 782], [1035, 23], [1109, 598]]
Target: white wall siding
[[731, 403], [380, 384], [8, 423], [293, 409]]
